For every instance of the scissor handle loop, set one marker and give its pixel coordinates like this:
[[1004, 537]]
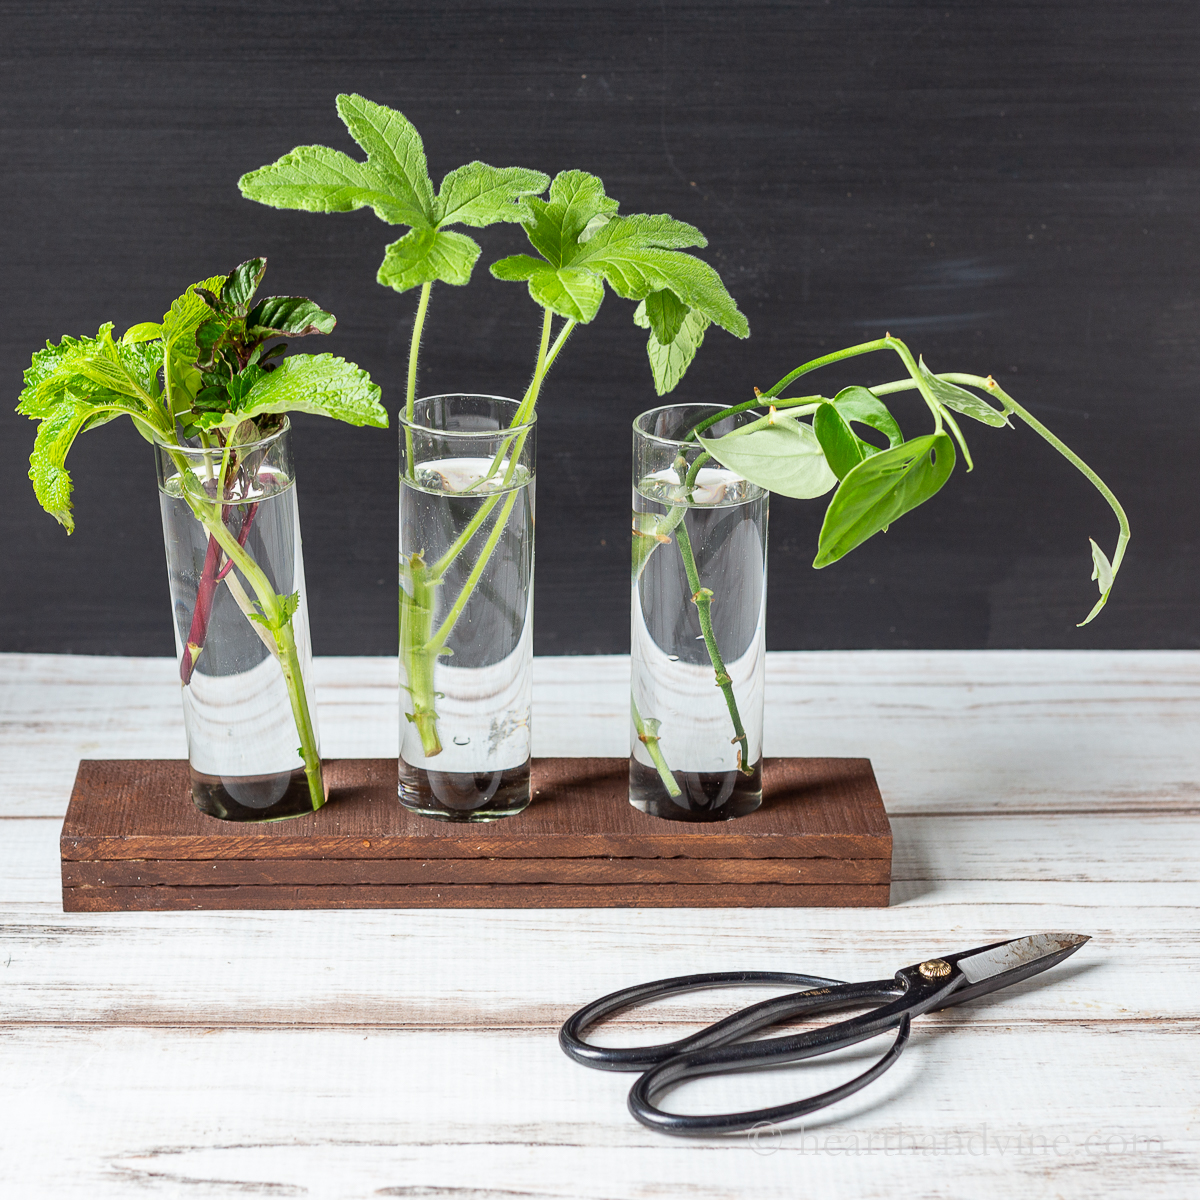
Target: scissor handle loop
[[675, 1070], [639, 1058]]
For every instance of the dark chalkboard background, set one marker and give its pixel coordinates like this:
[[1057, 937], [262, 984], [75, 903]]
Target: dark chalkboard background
[[1014, 188]]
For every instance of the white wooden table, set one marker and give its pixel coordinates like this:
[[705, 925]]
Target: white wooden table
[[413, 1054]]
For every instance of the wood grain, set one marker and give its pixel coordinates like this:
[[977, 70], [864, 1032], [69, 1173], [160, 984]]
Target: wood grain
[[132, 839], [354, 1054]]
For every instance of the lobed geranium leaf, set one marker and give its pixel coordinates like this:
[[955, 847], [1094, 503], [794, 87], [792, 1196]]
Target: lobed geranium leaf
[[669, 362], [784, 457], [881, 489], [480, 195], [664, 313], [425, 255], [394, 149]]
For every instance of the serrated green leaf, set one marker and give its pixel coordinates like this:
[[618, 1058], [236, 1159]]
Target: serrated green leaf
[[843, 450], [394, 149], [571, 293], [784, 457], [315, 383], [664, 313], [242, 283], [183, 319], [882, 489], [479, 195], [668, 363], [518, 268], [144, 331], [554, 226], [625, 253], [294, 316], [424, 255], [962, 401], [318, 179], [862, 405]]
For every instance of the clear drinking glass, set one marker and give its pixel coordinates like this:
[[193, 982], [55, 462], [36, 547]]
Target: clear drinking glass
[[466, 607], [698, 604], [232, 532]]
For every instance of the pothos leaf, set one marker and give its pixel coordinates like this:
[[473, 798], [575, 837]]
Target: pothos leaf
[[784, 457], [669, 362], [881, 489], [862, 405], [843, 451], [962, 401]]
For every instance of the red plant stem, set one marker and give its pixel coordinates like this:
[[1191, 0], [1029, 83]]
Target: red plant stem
[[206, 594]]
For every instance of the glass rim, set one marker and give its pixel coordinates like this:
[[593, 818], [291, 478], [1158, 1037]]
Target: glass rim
[[503, 431], [665, 441], [201, 451]]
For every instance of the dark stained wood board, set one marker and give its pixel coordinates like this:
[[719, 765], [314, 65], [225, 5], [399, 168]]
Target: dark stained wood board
[[132, 840]]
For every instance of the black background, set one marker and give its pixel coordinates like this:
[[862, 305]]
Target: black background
[[1013, 188]]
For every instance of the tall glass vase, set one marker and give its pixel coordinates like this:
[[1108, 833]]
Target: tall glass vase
[[466, 608], [231, 526], [699, 575]]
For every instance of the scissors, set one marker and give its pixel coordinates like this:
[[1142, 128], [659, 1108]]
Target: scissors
[[928, 986]]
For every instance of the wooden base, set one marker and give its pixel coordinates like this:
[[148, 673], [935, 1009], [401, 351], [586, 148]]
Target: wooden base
[[133, 841]]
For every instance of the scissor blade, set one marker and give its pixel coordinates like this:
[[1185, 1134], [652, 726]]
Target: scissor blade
[[1023, 954]]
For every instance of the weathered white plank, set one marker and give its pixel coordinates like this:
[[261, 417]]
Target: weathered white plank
[[969, 1111], [950, 731]]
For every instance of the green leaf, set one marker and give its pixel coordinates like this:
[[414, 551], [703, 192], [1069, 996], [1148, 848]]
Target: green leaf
[[144, 331], [573, 294], [629, 252], [862, 405], [77, 385], [1103, 574], [784, 457], [962, 401], [669, 362], [479, 195], [295, 316], [315, 383], [881, 489], [843, 451], [394, 149], [424, 255], [318, 179], [183, 319], [555, 226], [664, 313], [241, 285]]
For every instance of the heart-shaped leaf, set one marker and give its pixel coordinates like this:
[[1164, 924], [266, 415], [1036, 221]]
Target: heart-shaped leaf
[[881, 489], [784, 457]]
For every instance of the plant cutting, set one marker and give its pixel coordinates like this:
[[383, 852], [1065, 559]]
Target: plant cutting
[[209, 386], [701, 483], [466, 506]]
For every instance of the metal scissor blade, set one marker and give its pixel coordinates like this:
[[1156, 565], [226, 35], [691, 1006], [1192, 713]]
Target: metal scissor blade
[[993, 967], [1023, 952]]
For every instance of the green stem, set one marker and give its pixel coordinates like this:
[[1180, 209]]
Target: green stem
[[414, 350], [1010, 405], [280, 625], [416, 632], [650, 739], [702, 599]]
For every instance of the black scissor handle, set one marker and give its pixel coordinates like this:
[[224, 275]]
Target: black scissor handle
[[639, 1058], [895, 1003]]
